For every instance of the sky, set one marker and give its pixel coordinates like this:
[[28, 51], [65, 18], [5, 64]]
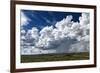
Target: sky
[[41, 19], [45, 32]]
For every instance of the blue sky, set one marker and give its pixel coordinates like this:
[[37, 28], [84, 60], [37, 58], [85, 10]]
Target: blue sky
[[41, 19]]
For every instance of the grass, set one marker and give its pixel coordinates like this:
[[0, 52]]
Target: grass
[[54, 57]]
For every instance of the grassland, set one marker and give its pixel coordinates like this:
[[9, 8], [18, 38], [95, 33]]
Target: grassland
[[54, 57]]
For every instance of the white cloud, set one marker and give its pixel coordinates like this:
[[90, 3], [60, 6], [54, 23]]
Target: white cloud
[[32, 36], [23, 31], [68, 36], [66, 22], [24, 19], [84, 19]]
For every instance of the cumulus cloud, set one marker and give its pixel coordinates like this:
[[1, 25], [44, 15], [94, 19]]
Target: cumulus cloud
[[66, 36]]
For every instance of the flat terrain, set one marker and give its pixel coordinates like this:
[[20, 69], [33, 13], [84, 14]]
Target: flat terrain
[[54, 57]]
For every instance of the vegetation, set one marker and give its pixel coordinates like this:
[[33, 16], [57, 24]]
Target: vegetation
[[54, 57]]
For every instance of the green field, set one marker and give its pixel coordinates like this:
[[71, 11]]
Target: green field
[[54, 57]]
